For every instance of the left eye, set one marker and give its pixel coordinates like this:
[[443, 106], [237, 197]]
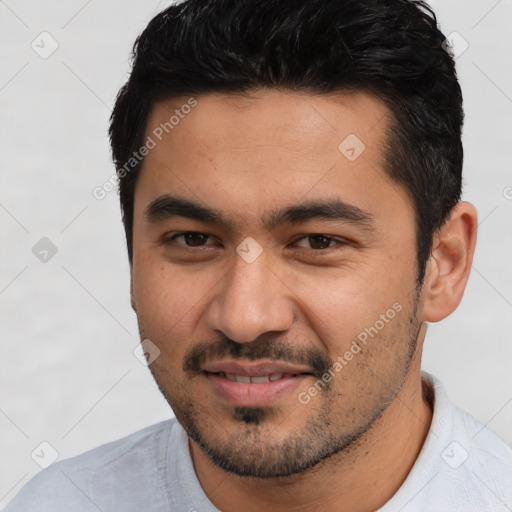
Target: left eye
[[317, 242], [191, 239]]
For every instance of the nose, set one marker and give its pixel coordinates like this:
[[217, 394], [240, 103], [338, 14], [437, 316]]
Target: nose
[[251, 301]]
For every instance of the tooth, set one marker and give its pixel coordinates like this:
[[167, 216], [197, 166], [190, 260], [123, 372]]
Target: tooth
[[275, 376], [263, 378], [243, 378], [230, 376]]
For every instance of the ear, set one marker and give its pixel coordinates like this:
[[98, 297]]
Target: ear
[[449, 265]]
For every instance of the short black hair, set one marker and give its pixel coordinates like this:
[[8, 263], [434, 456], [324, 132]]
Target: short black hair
[[390, 48]]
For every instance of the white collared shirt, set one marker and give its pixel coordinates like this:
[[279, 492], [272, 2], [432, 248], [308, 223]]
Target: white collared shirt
[[461, 467]]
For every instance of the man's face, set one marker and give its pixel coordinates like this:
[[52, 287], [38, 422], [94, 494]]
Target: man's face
[[286, 315]]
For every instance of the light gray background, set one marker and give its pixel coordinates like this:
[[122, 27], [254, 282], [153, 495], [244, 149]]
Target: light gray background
[[68, 374]]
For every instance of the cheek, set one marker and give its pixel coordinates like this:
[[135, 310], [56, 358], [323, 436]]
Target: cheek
[[168, 301], [342, 306]]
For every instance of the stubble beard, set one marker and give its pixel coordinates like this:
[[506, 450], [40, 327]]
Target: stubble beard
[[249, 450]]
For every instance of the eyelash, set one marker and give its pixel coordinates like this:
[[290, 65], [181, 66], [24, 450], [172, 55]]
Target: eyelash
[[339, 241]]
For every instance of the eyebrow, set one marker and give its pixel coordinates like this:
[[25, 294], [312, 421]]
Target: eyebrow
[[167, 207]]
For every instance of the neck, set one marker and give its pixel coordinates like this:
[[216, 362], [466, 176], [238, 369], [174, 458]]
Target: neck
[[337, 483]]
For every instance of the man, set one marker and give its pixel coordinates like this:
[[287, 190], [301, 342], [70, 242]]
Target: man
[[290, 180]]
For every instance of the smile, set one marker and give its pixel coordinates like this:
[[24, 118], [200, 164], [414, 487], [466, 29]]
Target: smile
[[254, 385], [247, 379]]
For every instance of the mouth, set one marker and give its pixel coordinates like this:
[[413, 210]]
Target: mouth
[[254, 384], [257, 379]]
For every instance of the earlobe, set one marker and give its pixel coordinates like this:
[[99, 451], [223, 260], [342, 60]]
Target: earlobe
[[449, 265]]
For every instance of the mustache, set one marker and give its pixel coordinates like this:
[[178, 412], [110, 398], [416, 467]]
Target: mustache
[[262, 348]]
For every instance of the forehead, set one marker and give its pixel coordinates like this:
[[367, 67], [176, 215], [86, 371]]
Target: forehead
[[253, 151], [272, 117]]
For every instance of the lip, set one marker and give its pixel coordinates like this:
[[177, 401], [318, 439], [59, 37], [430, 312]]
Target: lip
[[254, 369], [254, 394]]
